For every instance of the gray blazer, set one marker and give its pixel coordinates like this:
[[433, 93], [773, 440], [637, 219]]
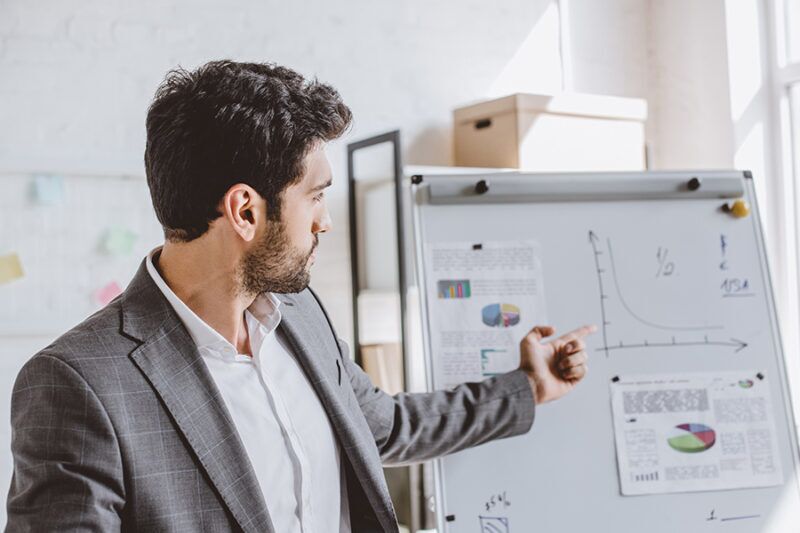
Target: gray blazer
[[118, 425]]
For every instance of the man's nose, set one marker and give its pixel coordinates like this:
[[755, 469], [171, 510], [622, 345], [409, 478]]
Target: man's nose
[[324, 223]]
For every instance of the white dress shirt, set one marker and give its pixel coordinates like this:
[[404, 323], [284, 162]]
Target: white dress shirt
[[280, 419]]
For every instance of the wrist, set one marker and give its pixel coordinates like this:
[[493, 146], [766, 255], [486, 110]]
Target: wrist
[[532, 382]]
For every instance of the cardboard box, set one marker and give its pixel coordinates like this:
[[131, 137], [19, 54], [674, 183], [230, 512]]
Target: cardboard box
[[383, 363], [568, 132]]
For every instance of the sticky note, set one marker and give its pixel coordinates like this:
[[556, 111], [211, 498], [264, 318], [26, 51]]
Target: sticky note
[[118, 241], [108, 292], [10, 268], [48, 190]]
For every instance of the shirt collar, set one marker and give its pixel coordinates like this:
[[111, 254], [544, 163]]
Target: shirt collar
[[265, 309]]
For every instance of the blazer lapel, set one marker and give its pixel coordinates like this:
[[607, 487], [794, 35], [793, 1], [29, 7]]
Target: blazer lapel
[[175, 369], [317, 352]]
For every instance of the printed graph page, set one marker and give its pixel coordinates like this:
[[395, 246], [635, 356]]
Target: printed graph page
[[695, 432], [485, 297]]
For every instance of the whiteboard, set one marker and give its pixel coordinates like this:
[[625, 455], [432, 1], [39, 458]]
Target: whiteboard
[[60, 235], [607, 241]]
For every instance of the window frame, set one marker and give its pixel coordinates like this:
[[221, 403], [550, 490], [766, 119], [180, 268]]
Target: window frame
[[784, 182]]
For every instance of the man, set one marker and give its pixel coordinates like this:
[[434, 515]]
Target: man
[[213, 394]]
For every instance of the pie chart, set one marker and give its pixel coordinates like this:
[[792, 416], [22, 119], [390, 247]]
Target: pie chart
[[500, 315], [692, 438]]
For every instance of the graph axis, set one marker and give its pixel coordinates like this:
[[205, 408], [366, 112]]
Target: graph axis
[[608, 347]]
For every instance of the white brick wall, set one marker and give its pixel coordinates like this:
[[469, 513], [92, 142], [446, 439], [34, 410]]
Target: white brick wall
[[76, 76]]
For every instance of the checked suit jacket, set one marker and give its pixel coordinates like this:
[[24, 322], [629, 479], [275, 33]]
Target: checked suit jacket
[[118, 425]]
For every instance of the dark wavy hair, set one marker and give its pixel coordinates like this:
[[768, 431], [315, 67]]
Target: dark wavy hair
[[228, 123]]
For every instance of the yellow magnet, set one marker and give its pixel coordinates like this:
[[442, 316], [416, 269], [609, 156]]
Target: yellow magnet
[[740, 209]]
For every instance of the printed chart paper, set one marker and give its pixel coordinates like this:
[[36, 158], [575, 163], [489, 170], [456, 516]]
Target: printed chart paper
[[695, 432], [484, 298]]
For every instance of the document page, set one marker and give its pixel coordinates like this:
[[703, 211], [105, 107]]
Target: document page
[[485, 297], [694, 432]]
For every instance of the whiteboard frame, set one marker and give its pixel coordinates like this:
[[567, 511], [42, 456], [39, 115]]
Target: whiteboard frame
[[766, 274], [449, 189]]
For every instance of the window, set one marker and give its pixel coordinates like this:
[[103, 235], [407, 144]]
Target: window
[[791, 29], [781, 51]]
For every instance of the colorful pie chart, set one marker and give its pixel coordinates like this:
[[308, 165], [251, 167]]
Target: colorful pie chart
[[500, 315], [692, 438]]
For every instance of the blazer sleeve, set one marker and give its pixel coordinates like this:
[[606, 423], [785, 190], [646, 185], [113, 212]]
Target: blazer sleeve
[[413, 427], [67, 466]]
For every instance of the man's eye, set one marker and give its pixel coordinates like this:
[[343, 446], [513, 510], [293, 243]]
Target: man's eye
[[319, 197]]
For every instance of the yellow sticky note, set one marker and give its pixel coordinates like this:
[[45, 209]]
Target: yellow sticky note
[[10, 268]]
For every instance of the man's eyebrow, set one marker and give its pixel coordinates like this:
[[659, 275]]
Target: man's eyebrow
[[322, 186]]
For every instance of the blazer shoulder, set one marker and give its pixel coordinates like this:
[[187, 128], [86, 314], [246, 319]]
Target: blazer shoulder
[[96, 341]]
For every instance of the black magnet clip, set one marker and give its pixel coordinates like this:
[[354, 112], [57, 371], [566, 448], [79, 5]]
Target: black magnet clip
[[482, 187]]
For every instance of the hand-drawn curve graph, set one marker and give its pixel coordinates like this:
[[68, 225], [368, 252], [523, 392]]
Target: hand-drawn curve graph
[[610, 287]]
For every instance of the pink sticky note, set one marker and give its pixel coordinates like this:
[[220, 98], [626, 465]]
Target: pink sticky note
[[107, 293]]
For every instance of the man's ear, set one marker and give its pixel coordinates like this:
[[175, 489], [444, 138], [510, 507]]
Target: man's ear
[[241, 207]]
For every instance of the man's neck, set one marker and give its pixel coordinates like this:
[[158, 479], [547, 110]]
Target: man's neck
[[205, 280]]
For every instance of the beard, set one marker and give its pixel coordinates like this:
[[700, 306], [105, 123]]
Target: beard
[[274, 265]]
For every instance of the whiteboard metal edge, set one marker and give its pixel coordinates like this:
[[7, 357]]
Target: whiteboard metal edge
[[520, 187], [777, 343], [419, 196]]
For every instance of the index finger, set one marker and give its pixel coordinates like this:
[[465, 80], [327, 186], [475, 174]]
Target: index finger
[[579, 333]]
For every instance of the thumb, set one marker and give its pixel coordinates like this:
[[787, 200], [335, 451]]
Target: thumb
[[540, 332]]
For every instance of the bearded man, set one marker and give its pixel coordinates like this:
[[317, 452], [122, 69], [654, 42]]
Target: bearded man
[[214, 394]]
